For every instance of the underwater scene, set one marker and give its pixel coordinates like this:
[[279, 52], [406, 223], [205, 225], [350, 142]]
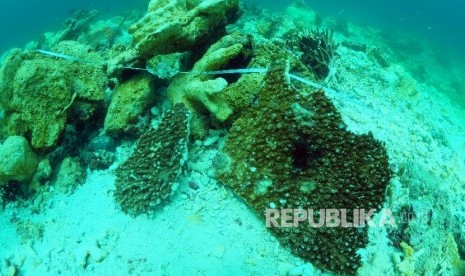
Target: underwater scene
[[228, 137]]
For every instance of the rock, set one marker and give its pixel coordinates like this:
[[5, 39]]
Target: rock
[[38, 92], [70, 175], [44, 170], [166, 66], [130, 100], [17, 160], [180, 25]]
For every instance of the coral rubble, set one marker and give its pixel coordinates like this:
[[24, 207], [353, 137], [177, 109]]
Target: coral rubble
[[292, 150], [148, 176]]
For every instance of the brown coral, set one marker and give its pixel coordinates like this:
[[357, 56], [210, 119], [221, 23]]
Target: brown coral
[[292, 151], [148, 177]]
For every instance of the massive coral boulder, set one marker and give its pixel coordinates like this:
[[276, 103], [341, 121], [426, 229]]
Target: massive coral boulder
[[17, 160], [148, 177], [129, 101], [292, 151], [180, 25], [37, 92]]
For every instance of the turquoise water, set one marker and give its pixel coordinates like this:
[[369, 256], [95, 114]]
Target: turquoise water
[[26, 20], [439, 22]]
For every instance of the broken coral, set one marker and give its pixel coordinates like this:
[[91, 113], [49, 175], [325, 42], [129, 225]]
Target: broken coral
[[292, 150], [148, 177]]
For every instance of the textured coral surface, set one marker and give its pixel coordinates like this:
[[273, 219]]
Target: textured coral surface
[[297, 154], [148, 176]]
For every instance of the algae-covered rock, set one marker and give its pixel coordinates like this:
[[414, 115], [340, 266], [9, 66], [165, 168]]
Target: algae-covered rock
[[70, 175], [201, 92], [129, 102], [223, 95], [38, 91], [166, 66], [148, 177], [17, 160], [292, 151], [180, 25]]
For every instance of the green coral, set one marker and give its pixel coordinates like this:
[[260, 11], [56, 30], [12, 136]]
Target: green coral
[[292, 150], [148, 177]]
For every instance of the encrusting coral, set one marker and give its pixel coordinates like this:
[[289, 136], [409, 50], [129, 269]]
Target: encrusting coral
[[148, 177], [292, 150]]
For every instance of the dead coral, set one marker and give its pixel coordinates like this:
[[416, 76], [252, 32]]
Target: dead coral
[[148, 177]]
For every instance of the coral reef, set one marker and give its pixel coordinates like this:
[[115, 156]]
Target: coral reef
[[38, 92], [17, 160], [129, 101], [292, 150], [315, 48], [148, 176]]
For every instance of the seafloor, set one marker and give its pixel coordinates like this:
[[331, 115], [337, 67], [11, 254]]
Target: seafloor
[[404, 91]]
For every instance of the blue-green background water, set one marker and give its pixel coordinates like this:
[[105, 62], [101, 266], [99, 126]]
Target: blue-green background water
[[439, 21], [442, 22], [24, 20]]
